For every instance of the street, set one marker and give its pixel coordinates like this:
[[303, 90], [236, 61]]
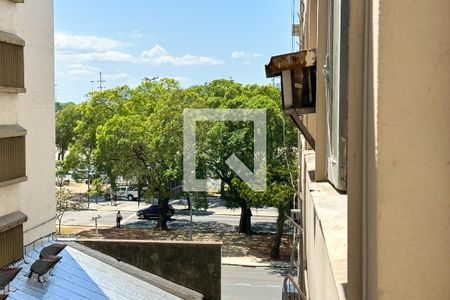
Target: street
[[215, 218], [239, 281], [248, 283]]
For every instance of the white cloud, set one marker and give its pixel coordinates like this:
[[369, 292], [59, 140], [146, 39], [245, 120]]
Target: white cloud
[[107, 56], [116, 76], [137, 34], [82, 48], [79, 70], [67, 40], [159, 56], [74, 48], [180, 79], [244, 54]]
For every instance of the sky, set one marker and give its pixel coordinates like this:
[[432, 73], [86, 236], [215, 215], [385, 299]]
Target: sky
[[193, 41]]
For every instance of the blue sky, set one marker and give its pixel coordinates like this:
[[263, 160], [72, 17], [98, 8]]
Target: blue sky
[[192, 41]]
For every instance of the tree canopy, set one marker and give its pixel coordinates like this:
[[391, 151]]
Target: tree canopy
[[137, 134]]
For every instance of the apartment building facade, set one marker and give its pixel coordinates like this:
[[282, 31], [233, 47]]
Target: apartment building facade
[[375, 159], [27, 203]]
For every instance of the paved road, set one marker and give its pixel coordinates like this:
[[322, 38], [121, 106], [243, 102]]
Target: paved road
[[211, 220], [246, 283]]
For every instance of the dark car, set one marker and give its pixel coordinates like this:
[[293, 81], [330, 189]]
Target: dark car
[[152, 212]]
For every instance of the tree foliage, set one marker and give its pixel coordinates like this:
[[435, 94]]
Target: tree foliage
[[137, 134], [66, 119]]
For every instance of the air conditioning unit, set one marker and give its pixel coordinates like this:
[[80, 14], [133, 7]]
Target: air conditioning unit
[[298, 89], [298, 85], [298, 80]]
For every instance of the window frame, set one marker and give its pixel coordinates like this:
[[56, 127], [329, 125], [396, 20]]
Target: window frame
[[14, 131], [336, 75], [12, 39]]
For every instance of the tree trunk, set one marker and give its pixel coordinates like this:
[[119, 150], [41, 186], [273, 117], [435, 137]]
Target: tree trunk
[[282, 215], [163, 208], [245, 223], [189, 202], [222, 189], [59, 226]]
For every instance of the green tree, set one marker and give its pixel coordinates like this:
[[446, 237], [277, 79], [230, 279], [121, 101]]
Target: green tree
[[144, 142], [138, 134], [216, 141], [65, 124]]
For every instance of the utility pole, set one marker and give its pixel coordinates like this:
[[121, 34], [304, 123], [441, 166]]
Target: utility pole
[[101, 81], [92, 87]]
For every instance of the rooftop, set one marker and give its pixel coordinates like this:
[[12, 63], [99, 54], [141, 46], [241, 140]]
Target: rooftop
[[80, 275]]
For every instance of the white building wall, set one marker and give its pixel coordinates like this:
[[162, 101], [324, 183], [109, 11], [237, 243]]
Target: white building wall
[[33, 110]]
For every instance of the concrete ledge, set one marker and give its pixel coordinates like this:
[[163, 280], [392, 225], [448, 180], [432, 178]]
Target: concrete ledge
[[13, 181], [12, 130], [326, 236], [194, 265], [11, 38], [12, 90], [12, 220]]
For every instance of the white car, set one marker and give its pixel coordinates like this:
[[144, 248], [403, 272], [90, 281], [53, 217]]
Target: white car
[[128, 192]]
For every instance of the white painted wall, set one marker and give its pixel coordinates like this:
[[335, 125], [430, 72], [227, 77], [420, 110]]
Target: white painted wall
[[33, 110], [411, 219]]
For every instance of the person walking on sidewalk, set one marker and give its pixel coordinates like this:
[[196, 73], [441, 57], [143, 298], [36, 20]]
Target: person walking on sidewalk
[[118, 219]]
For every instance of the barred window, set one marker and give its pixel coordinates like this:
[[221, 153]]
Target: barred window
[[11, 237], [11, 63], [12, 154]]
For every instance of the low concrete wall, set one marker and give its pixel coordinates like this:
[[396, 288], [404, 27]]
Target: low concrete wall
[[326, 237], [191, 264]]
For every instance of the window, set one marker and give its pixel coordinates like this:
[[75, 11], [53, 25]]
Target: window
[[336, 79], [12, 154], [11, 63], [11, 237]]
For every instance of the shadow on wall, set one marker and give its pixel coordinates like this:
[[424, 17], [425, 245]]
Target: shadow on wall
[[194, 265]]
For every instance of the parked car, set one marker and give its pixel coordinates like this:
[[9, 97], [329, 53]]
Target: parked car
[[108, 194], [152, 212], [65, 180], [128, 192]]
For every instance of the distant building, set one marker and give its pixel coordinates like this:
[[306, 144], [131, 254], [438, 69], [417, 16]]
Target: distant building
[[27, 138], [370, 94]]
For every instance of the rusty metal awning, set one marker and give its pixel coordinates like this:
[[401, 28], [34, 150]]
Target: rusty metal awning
[[290, 61]]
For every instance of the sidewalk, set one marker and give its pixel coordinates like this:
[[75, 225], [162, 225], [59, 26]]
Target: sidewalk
[[253, 261]]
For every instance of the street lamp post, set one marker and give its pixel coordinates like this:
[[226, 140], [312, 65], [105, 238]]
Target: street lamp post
[[190, 217], [96, 225]]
